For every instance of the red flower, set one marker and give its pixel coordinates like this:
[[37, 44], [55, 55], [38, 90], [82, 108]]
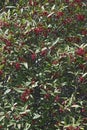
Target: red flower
[[80, 51], [84, 32], [45, 13], [25, 95], [59, 14], [80, 17], [67, 21], [17, 66], [44, 52], [57, 98], [33, 56], [61, 110], [38, 30], [47, 96], [81, 79]]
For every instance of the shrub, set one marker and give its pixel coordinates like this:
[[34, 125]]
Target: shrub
[[43, 71]]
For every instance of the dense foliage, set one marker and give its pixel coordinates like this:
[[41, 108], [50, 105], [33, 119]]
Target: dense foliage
[[43, 65]]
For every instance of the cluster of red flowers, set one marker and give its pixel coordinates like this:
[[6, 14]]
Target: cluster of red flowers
[[25, 95], [17, 66], [80, 52]]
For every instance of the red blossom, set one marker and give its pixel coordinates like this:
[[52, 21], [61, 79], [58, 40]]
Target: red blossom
[[84, 32], [43, 52], [33, 56], [81, 79], [57, 98], [80, 17], [45, 13], [17, 66], [25, 95], [39, 30], [80, 52], [47, 96], [67, 21], [59, 14], [61, 110]]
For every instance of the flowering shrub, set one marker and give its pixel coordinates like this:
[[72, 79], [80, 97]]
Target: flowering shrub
[[43, 65]]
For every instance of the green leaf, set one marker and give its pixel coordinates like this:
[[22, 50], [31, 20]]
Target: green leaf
[[25, 65], [18, 90], [7, 91], [1, 118], [10, 7], [36, 116]]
